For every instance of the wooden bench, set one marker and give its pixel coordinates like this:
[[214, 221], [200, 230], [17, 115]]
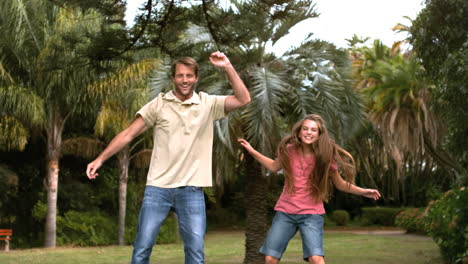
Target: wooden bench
[[5, 234]]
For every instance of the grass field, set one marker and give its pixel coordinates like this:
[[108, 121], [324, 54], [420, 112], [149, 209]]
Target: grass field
[[228, 247]]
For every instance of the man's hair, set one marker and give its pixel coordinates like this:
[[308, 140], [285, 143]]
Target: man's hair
[[187, 61]]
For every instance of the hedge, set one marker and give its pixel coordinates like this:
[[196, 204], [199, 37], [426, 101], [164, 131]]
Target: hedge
[[447, 224], [379, 215]]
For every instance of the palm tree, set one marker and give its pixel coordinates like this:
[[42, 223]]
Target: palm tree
[[398, 100], [44, 57], [120, 104], [122, 95]]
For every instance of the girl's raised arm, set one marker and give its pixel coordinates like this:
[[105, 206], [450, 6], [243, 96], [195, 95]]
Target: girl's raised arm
[[272, 165], [345, 186]]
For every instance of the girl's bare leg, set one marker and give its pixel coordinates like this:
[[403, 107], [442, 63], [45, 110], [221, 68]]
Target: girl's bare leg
[[316, 260], [271, 260]]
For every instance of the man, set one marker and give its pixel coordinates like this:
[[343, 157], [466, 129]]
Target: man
[[181, 159]]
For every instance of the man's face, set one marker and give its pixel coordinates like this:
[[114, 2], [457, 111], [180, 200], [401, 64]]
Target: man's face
[[184, 81]]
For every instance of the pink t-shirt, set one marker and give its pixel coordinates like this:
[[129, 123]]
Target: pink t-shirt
[[301, 200]]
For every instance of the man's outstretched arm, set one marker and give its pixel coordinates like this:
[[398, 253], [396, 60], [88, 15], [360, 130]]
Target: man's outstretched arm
[[121, 140], [241, 95]]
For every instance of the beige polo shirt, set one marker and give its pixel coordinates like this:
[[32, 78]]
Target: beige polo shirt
[[183, 138]]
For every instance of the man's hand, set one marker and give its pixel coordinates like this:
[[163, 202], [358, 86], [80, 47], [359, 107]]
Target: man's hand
[[92, 168], [220, 60]]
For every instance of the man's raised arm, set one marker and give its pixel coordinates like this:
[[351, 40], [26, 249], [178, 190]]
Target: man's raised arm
[[241, 95]]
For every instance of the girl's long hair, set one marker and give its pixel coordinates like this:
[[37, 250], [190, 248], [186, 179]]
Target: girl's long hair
[[325, 151]]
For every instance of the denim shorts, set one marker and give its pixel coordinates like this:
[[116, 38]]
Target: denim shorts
[[285, 226]]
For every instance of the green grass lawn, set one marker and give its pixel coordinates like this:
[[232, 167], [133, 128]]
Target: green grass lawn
[[228, 247]]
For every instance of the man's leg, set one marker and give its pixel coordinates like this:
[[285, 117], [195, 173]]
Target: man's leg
[[190, 209], [154, 209]]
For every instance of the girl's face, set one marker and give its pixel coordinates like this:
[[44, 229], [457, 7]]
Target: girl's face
[[309, 132]]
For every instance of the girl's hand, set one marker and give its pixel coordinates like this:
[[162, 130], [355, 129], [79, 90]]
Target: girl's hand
[[244, 143], [371, 193]]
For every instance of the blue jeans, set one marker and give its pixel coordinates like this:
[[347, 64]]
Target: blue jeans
[[285, 226], [189, 205]]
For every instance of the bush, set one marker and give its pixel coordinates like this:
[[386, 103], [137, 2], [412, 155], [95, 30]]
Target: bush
[[411, 219], [86, 229], [384, 216], [341, 217], [447, 224]]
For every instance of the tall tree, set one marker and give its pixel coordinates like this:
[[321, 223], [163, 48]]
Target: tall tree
[[439, 36], [123, 94], [46, 56], [399, 97]]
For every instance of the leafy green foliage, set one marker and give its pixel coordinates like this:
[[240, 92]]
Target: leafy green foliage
[[439, 36], [379, 215], [341, 217], [85, 229], [411, 219], [447, 224]]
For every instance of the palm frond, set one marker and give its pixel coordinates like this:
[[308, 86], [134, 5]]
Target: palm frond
[[111, 120], [17, 21], [22, 103], [8, 176], [225, 149], [5, 76], [127, 77], [160, 80], [267, 91], [142, 158], [197, 35], [321, 84], [398, 102], [13, 135], [302, 9], [85, 147]]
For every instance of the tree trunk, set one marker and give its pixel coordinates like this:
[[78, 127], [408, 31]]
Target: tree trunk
[[256, 211], [54, 143], [124, 160]]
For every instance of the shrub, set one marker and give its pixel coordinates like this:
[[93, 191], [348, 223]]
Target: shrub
[[411, 219], [341, 217], [447, 224], [379, 215], [86, 229]]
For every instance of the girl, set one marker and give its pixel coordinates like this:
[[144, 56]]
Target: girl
[[309, 159]]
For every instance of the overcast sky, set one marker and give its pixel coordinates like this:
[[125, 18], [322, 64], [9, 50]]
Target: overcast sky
[[340, 19]]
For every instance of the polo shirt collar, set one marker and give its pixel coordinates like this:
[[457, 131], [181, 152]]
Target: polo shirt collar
[[170, 96]]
